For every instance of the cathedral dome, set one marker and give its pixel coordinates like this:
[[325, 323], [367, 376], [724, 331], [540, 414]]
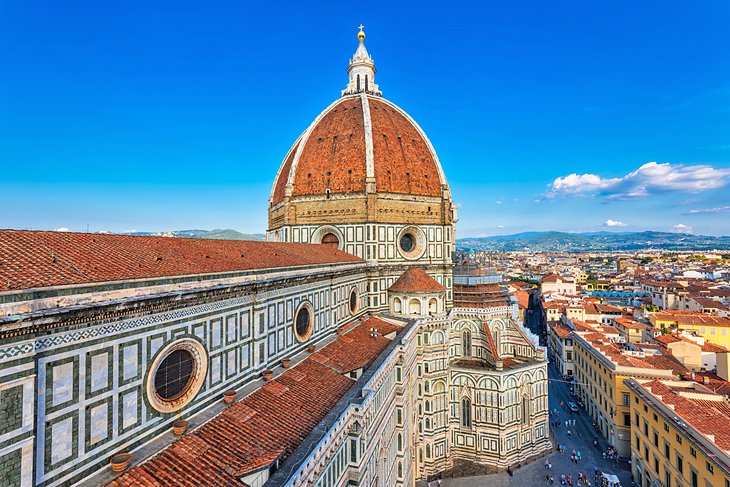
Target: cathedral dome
[[360, 139], [362, 160]]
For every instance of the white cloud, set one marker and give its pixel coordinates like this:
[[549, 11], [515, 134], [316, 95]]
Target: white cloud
[[719, 209], [62, 229], [682, 228], [614, 223], [649, 178], [500, 226]]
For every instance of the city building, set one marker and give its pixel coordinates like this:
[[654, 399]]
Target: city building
[[680, 434], [553, 283], [331, 354], [601, 367], [714, 329]]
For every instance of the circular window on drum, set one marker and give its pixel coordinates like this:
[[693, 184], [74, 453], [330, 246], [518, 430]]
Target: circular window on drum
[[354, 302], [176, 375], [304, 321], [411, 242]]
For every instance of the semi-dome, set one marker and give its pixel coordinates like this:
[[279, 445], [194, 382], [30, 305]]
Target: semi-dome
[[360, 139]]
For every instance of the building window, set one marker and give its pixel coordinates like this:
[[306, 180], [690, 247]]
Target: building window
[[627, 419], [680, 464], [466, 343], [407, 242], [626, 399], [693, 479], [693, 452], [466, 412], [304, 321], [710, 468], [176, 375], [331, 240], [353, 301]]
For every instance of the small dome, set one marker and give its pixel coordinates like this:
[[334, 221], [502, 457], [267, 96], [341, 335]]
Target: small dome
[[416, 280]]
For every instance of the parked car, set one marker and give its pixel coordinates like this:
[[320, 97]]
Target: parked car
[[573, 406]]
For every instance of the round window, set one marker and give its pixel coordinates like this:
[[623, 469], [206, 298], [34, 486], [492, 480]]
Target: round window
[[303, 321], [407, 242], [353, 301], [411, 242], [331, 240], [176, 375]]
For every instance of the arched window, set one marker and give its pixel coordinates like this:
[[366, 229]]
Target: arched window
[[466, 412], [525, 410], [466, 343], [358, 82], [400, 469], [400, 442], [432, 306], [397, 305], [366, 82], [331, 240], [414, 307], [428, 450]]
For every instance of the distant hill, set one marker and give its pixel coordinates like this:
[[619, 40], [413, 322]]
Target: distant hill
[[593, 241], [222, 234]]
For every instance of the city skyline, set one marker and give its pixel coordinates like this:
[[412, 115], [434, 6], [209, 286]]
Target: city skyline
[[165, 117]]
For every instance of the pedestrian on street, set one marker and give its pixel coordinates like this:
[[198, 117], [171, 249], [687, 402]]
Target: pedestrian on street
[[547, 462], [566, 423], [569, 433]]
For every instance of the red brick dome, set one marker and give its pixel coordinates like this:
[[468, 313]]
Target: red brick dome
[[360, 139]]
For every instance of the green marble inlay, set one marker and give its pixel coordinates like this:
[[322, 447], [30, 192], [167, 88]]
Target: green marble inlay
[[11, 409], [10, 469]]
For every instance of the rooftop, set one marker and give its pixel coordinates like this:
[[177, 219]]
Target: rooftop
[[36, 259], [416, 279], [268, 424], [705, 412]]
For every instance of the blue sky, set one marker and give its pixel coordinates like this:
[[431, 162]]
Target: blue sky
[[161, 115]]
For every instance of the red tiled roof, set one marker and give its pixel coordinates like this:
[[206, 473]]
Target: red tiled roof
[[692, 318], [551, 278], [709, 417], [269, 423], [523, 298], [31, 259], [345, 357], [560, 329], [333, 156], [650, 361], [415, 279], [713, 348]]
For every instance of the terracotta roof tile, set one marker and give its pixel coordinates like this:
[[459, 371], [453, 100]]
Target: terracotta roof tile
[[709, 417], [333, 156], [268, 424], [31, 259], [415, 279]]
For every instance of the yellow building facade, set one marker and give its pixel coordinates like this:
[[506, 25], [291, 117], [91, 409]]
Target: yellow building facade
[[679, 434], [714, 329], [601, 367]]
